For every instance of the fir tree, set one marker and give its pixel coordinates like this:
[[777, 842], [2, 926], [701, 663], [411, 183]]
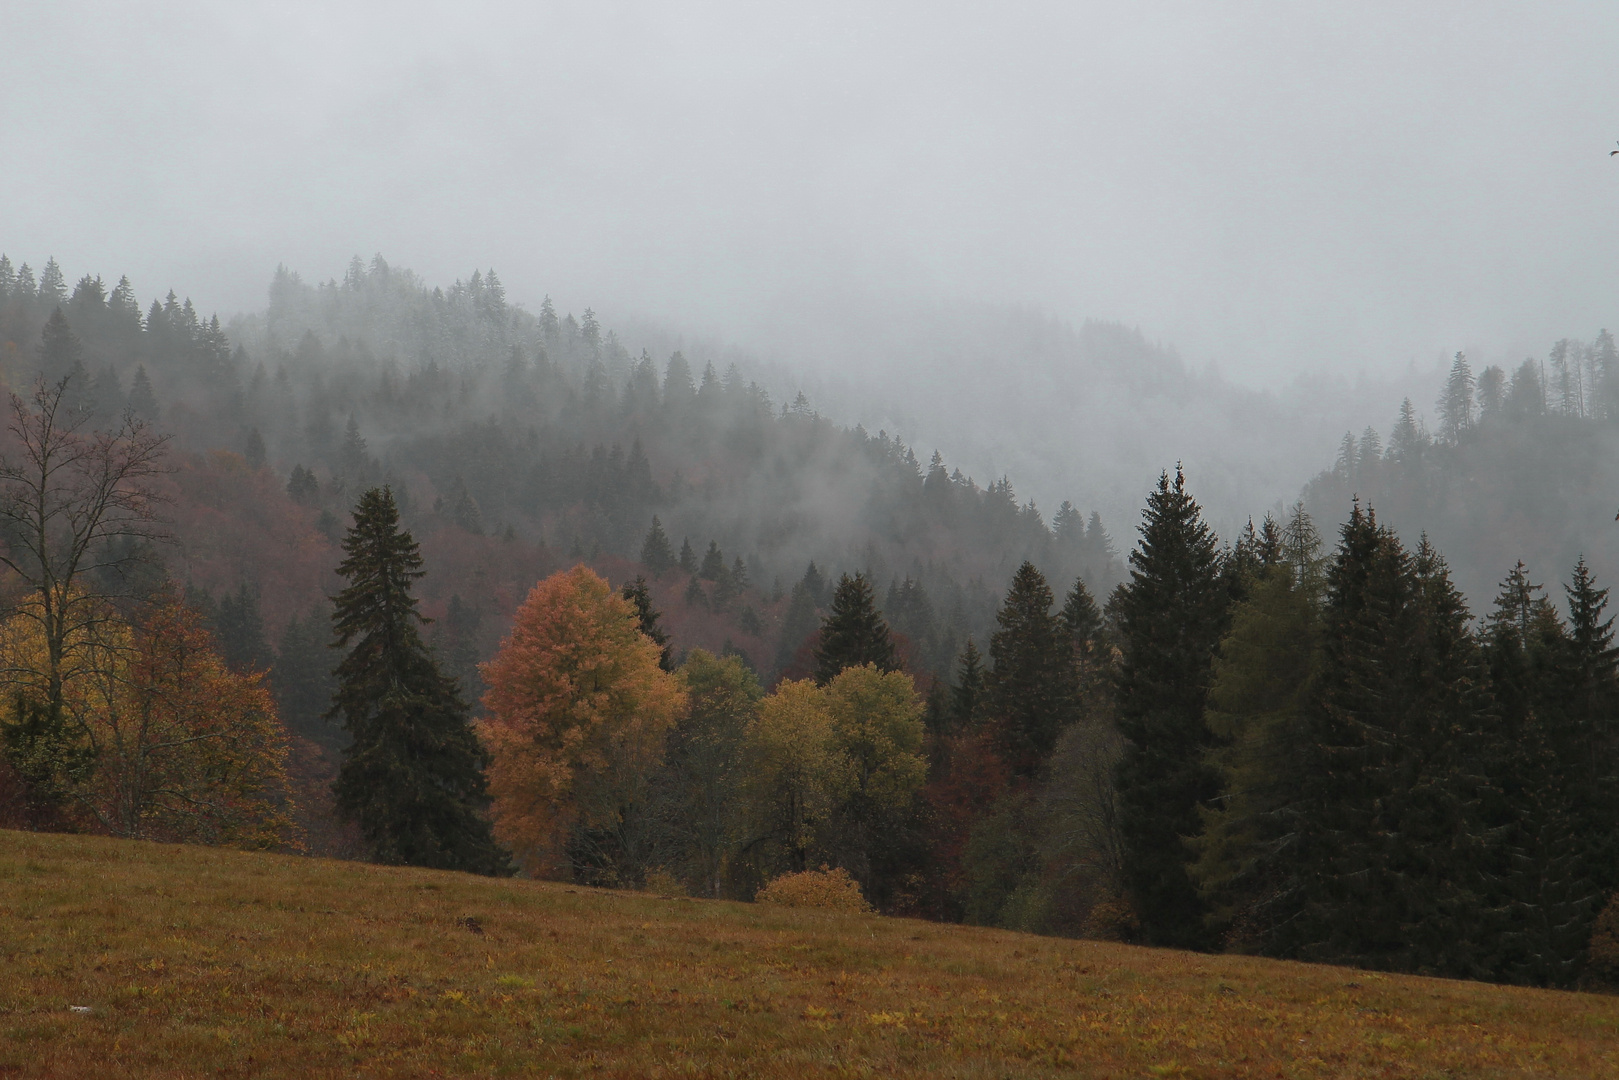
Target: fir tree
[[713, 568], [1261, 679], [142, 401], [1171, 615], [254, 452], [1456, 406], [656, 554], [688, 557], [1033, 685], [637, 593], [302, 677], [853, 632], [61, 355], [239, 629], [1538, 891], [412, 777], [1081, 616], [967, 695], [1391, 844], [695, 596], [799, 622]]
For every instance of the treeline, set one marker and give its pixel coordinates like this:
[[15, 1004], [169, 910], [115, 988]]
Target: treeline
[[1517, 463], [544, 430]]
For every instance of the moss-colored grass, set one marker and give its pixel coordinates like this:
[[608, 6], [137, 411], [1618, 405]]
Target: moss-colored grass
[[198, 961]]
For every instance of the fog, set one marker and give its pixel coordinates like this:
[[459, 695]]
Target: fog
[[1288, 196]]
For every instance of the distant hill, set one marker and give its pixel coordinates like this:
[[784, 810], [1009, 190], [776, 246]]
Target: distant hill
[[139, 959], [1520, 465]]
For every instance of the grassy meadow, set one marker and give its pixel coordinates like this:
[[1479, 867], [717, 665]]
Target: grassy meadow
[[202, 961]]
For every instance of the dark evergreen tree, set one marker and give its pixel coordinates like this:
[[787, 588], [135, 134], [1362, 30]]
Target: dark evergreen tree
[[455, 638], [695, 596], [1081, 616], [1538, 891], [412, 776], [142, 401], [239, 629], [1033, 684], [967, 695], [253, 450], [1392, 847], [1171, 615], [302, 487], [688, 557], [1591, 695], [800, 621], [713, 568], [61, 355], [302, 678], [637, 593], [853, 632], [656, 554]]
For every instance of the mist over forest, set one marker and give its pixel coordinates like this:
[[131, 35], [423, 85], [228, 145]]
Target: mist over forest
[[1143, 474]]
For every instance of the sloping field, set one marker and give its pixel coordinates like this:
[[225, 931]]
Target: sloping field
[[196, 961]]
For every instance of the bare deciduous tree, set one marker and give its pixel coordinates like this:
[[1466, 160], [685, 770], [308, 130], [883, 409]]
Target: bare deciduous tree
[[76, 506]]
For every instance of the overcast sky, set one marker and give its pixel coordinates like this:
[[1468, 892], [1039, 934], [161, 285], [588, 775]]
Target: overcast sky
[[1269, 186]]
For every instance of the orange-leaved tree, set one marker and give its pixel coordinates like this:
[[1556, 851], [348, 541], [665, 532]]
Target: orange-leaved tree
[[578, 710], [179, 746]]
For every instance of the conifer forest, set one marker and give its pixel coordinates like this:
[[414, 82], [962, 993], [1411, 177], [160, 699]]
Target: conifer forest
[[425, 576]]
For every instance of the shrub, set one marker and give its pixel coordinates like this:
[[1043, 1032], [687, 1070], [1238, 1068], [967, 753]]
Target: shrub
[[1604, 952], [833, 890], [664, 883]]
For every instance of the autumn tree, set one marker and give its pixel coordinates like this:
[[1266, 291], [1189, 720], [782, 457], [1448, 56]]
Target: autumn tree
[[834, 771], [180, 748], [412, 777], [75, 506], [703, 774], [795, 776], [578, 710]]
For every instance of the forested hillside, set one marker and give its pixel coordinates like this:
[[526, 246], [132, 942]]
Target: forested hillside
[[518, 442], [684, 636], [1520, 464]]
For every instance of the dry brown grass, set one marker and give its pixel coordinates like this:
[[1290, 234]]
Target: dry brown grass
[[201, 961]]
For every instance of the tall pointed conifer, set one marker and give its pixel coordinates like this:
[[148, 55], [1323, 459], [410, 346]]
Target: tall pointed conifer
[[412, 778], [1033, 686], [854, 632], [1171, 615]]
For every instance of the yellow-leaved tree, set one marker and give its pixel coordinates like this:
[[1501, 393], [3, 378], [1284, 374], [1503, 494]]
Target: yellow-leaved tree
[[834, 772], [578, 710], [176, 746]]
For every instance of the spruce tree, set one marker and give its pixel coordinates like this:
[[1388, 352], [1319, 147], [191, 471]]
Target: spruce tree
[[853, 632], [637, 593], [1537, 885], [412, 777], [656, 554], [1171, 615], [302, 677], [799, 622], [1033, 685], [1081, 616], [1262, 676], [142, 401], [967, 695], [1592, 700], [1392, 843], [239, 628], [688, 557], [713, 568]]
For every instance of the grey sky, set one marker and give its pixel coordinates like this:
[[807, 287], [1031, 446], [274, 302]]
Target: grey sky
[[1272, 186]]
